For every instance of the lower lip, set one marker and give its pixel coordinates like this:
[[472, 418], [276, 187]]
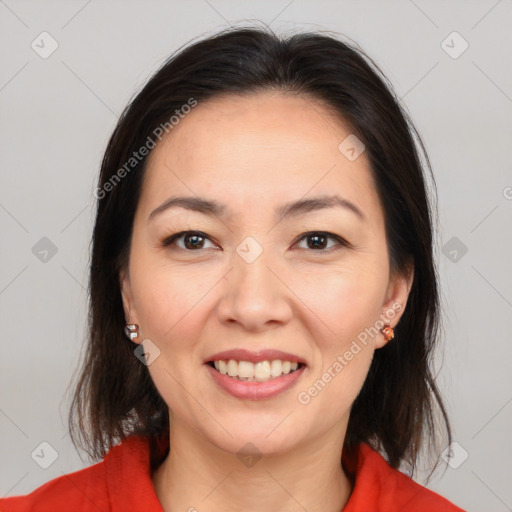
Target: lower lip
[[255, 390]]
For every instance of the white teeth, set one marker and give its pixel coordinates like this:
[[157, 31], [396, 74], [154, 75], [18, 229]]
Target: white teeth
[[275, 368], [261, 372], [232, 368], [223, 367], [245, 369]]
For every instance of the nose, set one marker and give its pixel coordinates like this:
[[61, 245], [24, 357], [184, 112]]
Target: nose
[[255, 295]]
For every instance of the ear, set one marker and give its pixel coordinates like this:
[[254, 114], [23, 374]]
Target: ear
[[397, 295], [130, 313]]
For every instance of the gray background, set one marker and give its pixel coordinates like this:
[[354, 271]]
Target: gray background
[[58, 112]]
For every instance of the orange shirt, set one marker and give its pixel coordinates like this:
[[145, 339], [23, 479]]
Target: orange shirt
[[121, 482]]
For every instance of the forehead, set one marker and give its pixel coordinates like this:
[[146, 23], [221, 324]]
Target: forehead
[[255, 150]]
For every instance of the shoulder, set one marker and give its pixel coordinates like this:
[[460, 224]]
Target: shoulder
[[85, 489], [417, 498], [120, 482], [385, 489], [102, 486]]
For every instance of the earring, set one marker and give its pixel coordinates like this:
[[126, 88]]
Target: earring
[[388, 332], [131, 331]]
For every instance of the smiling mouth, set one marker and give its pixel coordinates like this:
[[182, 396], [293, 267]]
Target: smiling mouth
[[255, 372]]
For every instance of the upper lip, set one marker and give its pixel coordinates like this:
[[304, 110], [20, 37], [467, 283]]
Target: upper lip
[[241, 354]]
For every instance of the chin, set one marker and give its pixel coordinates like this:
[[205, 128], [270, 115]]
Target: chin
[[257, 438]]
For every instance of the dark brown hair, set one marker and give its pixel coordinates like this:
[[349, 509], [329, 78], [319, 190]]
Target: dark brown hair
[[396, 410]]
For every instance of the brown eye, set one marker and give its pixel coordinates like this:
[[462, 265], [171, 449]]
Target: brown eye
[[318, 241], [192, 240]]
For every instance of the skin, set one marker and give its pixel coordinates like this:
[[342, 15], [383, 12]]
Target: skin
[[254, 153]]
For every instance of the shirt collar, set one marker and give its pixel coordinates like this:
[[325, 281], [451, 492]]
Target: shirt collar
[[129, 467]]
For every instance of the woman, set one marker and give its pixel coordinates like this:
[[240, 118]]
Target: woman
[[263, 297]]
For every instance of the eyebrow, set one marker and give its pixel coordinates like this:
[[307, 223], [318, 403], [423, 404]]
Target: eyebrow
[[291, 209]]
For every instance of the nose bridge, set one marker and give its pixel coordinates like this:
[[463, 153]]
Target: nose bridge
[[254, 295], [251, 271]]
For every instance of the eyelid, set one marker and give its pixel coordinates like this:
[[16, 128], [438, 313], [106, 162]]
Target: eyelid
[[171, 239], [340, 240]]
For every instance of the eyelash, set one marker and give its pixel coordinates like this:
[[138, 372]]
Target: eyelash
[[170, 240]]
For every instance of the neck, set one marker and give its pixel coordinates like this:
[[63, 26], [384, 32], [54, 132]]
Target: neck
[[197, 475]]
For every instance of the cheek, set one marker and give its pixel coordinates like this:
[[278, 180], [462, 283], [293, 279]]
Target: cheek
[[347, 300], [168, 307], [349, 307], [165, 296]]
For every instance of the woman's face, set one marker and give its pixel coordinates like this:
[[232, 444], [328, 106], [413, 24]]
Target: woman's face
[[251, 280]]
